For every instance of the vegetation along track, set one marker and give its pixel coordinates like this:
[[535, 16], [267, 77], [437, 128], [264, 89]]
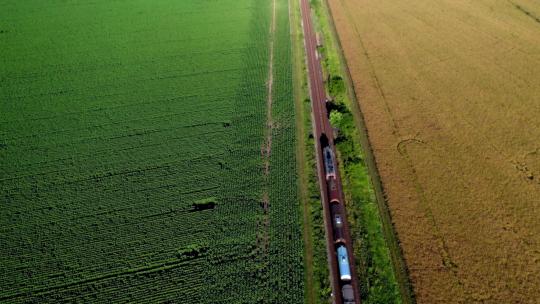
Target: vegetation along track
[[331, 192], [383, 273]]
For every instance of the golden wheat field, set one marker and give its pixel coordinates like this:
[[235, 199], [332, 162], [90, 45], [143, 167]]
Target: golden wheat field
[[450, 92]]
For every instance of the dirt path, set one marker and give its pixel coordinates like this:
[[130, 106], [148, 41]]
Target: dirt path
[[266, 150], [303, 171]]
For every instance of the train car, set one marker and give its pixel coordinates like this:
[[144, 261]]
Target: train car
[[329, 163], [347, 294], [343, 261], [333, 193], [337, 222]]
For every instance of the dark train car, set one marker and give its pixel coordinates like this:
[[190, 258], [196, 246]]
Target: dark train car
[[348, 294], [337, 224], [329, 163]]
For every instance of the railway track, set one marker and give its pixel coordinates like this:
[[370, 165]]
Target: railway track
[[337, 237]]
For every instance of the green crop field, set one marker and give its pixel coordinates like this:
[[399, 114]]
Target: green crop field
[[131, 153]]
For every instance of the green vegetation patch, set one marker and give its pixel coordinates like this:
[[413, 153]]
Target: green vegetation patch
[[119, 120], [376, 274]]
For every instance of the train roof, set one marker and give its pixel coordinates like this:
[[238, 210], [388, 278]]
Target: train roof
[[347, 292]]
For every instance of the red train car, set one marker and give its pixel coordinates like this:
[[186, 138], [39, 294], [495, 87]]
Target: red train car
[[333, 193]]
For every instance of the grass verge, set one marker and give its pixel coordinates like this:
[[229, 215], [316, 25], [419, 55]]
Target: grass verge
[[378, 283], [316, 275]]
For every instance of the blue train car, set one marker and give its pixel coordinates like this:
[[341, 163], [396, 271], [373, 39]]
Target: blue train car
[[343, 261], [329, 163]]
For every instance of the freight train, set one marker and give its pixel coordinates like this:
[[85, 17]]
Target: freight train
[[337, 214]]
